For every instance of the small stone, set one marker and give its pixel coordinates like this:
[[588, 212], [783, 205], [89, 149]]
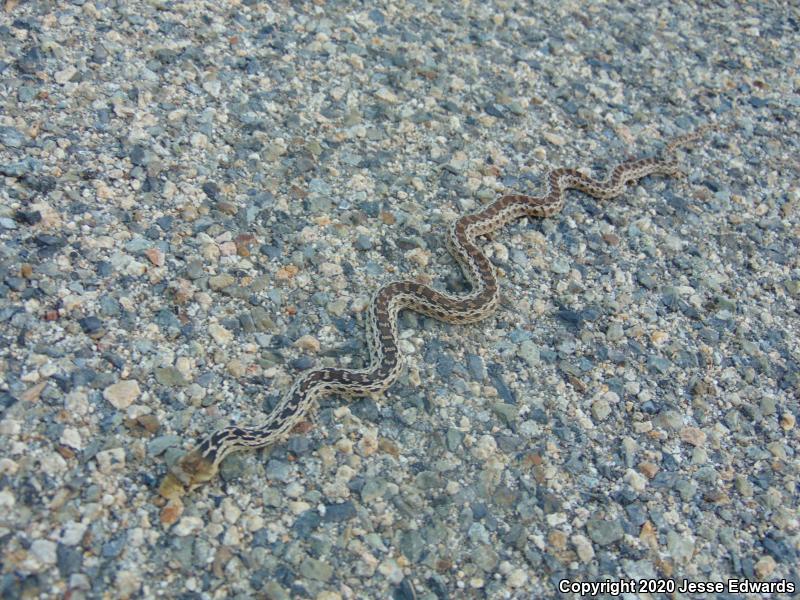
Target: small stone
[[110, 460], [149, 423], [287, 272], [604, 532], [308, 343], [171, 512], [316, 569], [386, 95], [614, 332], [122, 394], [648, 469], [765, 566], [517, 578], [559, 266], [508, 413], [91, 325], [64, 75], [635, 480], [601, 409], [554, 138], [11, 138], [787, 421], [485, 448], [694, 436], [220, 282], [44, 551], [363, 242], [33, 393], [236, 368], [159, 444], [583, 547], [529, 352], [273, 591], [170, 377], [187, 525], [743, 486], [680, 546], [221, 335], [155, 256], [70, 437]]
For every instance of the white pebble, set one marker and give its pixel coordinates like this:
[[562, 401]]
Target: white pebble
[[44, 551], [187, 525]]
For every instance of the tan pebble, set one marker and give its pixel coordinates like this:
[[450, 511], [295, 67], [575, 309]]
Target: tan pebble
[[648, 469], [389, 447], [221, 335], [127, 583], [189, 213], [32, 393], [386, 95], [344, 445], [659, 338], [787, 421], [765, 566], [368, 444], [330, 269], [155, 256], [418, 256], [554, 138], [287, 272], [484, 448], [308, 343], [236, 368], [611, 239], [693, 436], [122, 394], [65, 75], [227, 249], [220, 282], [557, 540]]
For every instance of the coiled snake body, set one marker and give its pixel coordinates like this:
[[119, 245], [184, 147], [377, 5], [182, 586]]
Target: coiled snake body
[[201, 464]]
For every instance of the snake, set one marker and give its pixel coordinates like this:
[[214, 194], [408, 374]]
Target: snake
[[202, 463]]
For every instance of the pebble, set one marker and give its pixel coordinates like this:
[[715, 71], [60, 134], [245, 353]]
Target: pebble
[[693, 436], [187, 526], [122, 394], [316, 569], [44, 551], [604, 532], [220, 334]]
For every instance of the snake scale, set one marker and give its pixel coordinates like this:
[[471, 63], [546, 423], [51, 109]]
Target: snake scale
[[202, 462]]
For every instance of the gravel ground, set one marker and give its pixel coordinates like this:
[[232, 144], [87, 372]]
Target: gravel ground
[[196, 201]]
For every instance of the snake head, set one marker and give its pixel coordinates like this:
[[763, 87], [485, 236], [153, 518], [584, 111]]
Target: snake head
[[191, 471]]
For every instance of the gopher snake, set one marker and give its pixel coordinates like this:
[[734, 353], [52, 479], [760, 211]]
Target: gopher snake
[[201, 464]]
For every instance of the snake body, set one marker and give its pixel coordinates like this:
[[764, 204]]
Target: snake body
[[202, 463]]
